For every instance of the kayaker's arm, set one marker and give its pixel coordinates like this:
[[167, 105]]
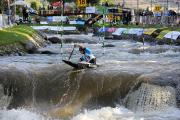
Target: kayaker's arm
[[79, 46]]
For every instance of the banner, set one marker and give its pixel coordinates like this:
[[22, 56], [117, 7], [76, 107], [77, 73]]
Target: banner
[[111, 30], [99, 10], [56, 18], [90, 9], [126, 31], [174, 35], [55, 28], [140, 32], [134, 30], [162, 34], [101, 30], [149, 31], [156, 33], [81, 22], [119, 31], [72, 22]]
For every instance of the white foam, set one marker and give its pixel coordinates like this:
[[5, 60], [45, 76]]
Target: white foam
[[121, 113], [19, 114]]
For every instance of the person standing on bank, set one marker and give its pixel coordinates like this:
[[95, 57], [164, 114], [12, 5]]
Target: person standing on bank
[[88, 56]]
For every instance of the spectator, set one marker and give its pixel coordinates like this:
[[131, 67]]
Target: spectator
[[9, 13], [159, 17], [147, 9], [123, 4], [40, 9], [48, 8], [106, 4], [76, 8], [174, 15], [119, 5], [25, 13], [169, 16], [51, 7], [127, 17], [166, 16], [44, 12], [143, 14]]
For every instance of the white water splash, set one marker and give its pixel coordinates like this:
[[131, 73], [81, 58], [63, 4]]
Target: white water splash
[[121, 113]]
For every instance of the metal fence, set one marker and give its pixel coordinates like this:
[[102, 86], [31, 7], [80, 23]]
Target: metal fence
[[157, 20]]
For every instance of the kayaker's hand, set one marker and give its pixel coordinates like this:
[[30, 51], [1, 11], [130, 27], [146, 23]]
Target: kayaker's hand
[[75, 45], [69, 60]]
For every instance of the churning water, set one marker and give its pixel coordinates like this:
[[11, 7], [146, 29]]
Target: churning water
[[132, 82]]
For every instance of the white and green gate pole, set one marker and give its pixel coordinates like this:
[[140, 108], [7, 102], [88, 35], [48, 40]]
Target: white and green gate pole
[[61, 31], [103, 32]]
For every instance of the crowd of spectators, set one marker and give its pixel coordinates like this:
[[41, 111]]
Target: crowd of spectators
[[168, 15]]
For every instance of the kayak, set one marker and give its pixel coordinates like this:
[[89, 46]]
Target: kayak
[[80, 65]]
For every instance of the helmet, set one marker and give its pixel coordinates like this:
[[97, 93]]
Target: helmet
[[81, 49]]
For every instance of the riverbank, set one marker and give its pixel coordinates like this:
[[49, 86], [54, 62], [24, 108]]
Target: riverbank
[[22, 39], [19, 40]]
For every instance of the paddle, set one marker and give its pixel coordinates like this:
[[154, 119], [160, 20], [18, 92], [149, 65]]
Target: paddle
[[71, 53]]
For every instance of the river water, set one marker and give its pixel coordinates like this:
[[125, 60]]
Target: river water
[[133, 82]]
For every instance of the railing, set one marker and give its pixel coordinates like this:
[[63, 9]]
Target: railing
[[157, 20], [58, 12]]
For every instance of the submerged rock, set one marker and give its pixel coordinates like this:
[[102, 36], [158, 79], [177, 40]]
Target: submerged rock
[[47, 52], [109, 45], [54, 40]]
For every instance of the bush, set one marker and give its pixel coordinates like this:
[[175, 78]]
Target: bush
[[34, 5]]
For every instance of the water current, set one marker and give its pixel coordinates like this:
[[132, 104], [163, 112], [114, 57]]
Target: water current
[[133, 82]]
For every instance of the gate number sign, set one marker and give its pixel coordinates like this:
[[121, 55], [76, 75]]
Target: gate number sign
[[82, 3], [157, 9], [110, 16], [119, 10]]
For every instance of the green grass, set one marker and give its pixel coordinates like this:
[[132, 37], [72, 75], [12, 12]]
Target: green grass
[[17, 33]]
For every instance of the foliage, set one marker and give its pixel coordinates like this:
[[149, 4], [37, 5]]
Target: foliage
[[5, 5], [34, 5], [110, 2], [93, 2]]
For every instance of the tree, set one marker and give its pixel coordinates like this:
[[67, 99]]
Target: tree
[[34, 5], [4, 5]]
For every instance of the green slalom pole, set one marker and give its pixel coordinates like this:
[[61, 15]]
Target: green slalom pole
[[103, 33], [61, 31]]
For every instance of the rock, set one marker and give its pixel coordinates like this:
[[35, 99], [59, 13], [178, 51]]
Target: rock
[[31, 48], [47, 52], [109, 45], [21, 53], [108, 37], [42, 34], [54, 40]]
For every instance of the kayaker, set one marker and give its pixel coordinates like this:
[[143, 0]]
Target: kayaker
[[88, 56]]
